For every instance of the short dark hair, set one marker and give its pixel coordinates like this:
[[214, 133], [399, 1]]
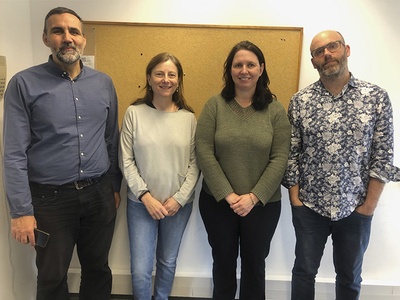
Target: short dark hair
[[58, 11], [262, 96]]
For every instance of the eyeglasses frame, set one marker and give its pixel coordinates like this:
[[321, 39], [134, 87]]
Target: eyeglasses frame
[[326, 47]]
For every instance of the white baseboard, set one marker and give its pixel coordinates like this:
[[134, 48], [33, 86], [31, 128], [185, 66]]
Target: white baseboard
[[276, 289]]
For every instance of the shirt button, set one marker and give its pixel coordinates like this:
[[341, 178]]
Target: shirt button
[[77, 99], [79, 117], [81, 135], [81, 171], [82, 154]]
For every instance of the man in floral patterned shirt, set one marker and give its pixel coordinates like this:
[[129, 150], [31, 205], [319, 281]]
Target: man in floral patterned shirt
[[341, 157]]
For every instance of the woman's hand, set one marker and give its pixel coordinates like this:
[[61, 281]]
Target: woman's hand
[[244, 204], [155, 209], [172, 206]]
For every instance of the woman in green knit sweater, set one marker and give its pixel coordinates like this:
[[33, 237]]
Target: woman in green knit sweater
[[242, 146]]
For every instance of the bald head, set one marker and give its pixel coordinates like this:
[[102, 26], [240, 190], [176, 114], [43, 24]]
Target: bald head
[[325, 37], [329, 55]]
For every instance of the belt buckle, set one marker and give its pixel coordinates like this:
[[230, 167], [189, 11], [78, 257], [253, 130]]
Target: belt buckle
[[82, 183]]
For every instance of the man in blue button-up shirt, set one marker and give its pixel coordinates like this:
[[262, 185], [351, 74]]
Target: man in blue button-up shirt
[[340, 159], [60, 161]]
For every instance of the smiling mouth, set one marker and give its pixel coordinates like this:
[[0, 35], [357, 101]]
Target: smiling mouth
[[67, 49]]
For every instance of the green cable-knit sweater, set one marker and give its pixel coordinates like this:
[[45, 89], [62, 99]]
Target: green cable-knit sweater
[[242, 150]]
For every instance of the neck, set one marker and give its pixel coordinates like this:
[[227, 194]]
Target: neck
[[335, 85], [164, 104], [72, 70], [244, 99]]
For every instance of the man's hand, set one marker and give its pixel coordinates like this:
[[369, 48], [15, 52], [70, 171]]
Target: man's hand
[[117, 198], [22, 229], [294, 196], [374, 191]]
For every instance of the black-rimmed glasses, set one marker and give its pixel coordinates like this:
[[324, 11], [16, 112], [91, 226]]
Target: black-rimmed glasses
[[332, 47]]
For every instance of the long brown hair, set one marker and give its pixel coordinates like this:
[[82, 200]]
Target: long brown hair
[[263, 95], [177, 97]]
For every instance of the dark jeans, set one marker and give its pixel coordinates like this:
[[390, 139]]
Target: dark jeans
[[227, 233], [84, 218], [350, 237]]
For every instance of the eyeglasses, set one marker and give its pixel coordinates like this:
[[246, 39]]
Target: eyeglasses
[[332, 47]]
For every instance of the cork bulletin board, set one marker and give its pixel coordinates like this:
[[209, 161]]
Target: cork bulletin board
[[123, 50]]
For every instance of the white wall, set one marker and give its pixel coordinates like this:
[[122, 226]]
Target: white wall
[[15, 44], [369, 27]]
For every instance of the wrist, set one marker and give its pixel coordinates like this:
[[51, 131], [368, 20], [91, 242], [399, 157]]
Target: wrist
[[142, 194], [253, 201]]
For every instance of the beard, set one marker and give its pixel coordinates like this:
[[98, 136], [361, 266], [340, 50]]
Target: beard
[[335, 70], [69, 57]]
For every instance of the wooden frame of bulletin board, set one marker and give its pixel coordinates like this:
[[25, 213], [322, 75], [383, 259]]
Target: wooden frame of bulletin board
[[123, 50]]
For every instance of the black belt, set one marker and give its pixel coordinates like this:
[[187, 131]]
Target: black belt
[[80, 184]]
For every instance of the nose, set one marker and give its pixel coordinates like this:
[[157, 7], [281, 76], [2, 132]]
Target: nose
[[243, 69], [326, 51], [67, 37]]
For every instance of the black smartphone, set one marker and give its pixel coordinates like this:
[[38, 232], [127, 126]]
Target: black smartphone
[[41, 238]]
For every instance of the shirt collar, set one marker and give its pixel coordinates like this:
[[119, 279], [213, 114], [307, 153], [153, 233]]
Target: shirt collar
[[321, 89], [55, 69]]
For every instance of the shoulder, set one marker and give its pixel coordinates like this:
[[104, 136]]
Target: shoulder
[[137, 108], [215, 101], [276, 106], [92, 73], [365, 86], [31, 71], [187, 115], [186, 112], [313, 88]]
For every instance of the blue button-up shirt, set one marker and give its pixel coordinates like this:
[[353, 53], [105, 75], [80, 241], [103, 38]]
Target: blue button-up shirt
[[337, 144], [57, 130]]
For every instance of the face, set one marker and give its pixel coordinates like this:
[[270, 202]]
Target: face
[[330, 64], [164, 79], [65, 38], [246, 70]]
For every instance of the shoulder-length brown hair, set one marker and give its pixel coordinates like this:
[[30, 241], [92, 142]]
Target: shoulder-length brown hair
[[263, 95], [177, 97]]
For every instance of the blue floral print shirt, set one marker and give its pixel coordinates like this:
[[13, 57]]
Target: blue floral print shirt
[[337, 144]]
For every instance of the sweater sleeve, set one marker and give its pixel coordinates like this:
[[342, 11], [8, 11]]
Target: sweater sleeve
[[213, 174], [271, 178], [127, 161]]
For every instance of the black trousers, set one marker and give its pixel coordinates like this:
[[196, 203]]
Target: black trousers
[[228, 234], [84, 218]]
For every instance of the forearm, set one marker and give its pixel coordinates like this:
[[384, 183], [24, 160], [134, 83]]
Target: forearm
[[374, 191], [294, 195]]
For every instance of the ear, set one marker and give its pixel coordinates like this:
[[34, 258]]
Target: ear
[[148, 80], [347, 50], [312, 61], [261, 69], [84, 41], [45, 39]]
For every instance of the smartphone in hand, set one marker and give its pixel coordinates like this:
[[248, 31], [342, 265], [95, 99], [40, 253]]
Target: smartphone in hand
[[41, 237]]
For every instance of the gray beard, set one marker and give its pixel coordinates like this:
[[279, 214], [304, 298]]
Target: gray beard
[[331, 73], [68, 59]]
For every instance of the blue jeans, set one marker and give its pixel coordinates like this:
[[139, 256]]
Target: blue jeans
[[149, 238], [229, 235], [84, 218], [350, 238]]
